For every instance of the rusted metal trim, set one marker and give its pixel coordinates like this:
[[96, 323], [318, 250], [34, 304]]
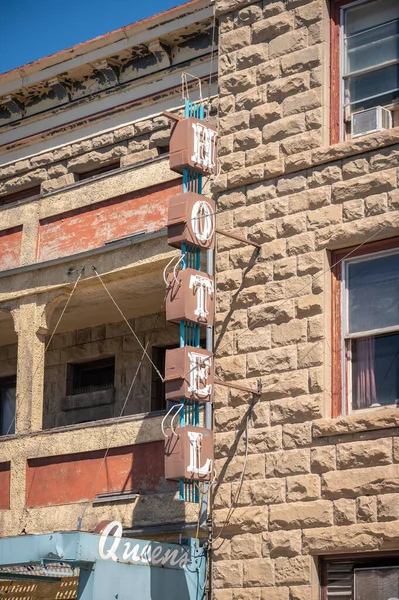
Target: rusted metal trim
[[236, 386], [171, 116], [237, 237]]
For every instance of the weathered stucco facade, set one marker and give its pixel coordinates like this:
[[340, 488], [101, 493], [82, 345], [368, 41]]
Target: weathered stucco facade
[[314, 486]]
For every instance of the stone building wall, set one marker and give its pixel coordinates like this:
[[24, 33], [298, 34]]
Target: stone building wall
[[314, 486], [111, 339]]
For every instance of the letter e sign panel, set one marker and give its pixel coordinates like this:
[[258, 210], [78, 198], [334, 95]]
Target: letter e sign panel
[[193, 146], [190, 297], [189, 374], [189, 453], [191, 220]]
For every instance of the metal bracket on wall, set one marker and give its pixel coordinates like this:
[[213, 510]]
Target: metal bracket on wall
[[242, 388], [239, 238]]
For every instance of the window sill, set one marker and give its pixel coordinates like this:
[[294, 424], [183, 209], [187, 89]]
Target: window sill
[[378, 418]]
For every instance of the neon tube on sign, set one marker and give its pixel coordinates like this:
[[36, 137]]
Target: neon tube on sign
[[112, 546]]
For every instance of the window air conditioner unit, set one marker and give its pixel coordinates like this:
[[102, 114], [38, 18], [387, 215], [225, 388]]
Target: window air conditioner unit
[[370, 120]]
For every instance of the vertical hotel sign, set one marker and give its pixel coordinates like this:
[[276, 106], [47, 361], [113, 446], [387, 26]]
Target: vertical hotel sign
[[189, 370]]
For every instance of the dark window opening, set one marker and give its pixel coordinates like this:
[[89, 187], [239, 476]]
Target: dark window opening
[[91, 376], [20, 195], [99, 171], [361, 578], [163, 150], [7, 405]]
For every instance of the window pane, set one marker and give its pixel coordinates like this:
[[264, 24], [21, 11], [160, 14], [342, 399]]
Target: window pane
[[7, 411], [369, 14], [373, 290], [376, 83], [375, 371], [376, 584], [372, 47]]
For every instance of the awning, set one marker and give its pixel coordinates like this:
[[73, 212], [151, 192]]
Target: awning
[[105, 566]]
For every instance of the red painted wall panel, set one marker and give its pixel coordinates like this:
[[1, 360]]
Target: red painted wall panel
[[5, 472], [75, 477], [91, 226], [10, 248]]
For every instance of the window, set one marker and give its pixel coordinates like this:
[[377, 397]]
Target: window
[[366, 312], [99, 171], [91, 376], [368, 578], [365, 59], [20, 195], [7, 405]]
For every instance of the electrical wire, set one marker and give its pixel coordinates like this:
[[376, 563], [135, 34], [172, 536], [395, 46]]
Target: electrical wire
[[113, 432], [127, 323], [47, 345]]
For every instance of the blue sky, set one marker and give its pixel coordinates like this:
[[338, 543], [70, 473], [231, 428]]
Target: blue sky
[[31, 29]]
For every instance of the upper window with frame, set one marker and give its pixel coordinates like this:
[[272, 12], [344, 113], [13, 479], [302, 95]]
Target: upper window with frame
[[7, 405], [366, 328], [365, 61]]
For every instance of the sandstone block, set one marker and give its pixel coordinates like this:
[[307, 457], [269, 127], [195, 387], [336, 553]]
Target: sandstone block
[[236, 39], [246, 519], [329, 215], [302, 102], [231, 200], [295, 410], [310, 355], [274, 168], [297, 162], [316, 380], [301, 244], [303, 488], [228, 418], [368, 481], [366, 509], [301, 515], [237, 82], [287, 462], [247, 545], [231, 367], [228, 574], [246, 594], [302, 60], [250, 56], [271, 361], [265, 113], [308, 306], [275, 386], [265, 314], [298, 286], [232, 468], [234, 122], [375, 205], [310, 13], [281, 89], [222, 496], [291, 184], [259, 192], [267, 72], [232, 161], [272, 27], [249, 15], [262, 154], [266, 439], [302, 142], [276, 208], [246, 139], [284, 268], [301, 592], [310, 263], [367, 185], [263, 232], [288, 226], [245, 176], [283, 128], [293, 571], [59, 182], [225, 145], [309, 200], [288, 42], [368, 453], [258, 572], [251, 341], [222, 594], [251, 98], [355, 167], [357, 423], [285, 334], [277, 593], [388, 507], [297, 435], [283, 543], [344, 511], [353, 538]]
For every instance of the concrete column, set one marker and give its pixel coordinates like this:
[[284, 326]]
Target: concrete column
[[31, 321], [30, 367]]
